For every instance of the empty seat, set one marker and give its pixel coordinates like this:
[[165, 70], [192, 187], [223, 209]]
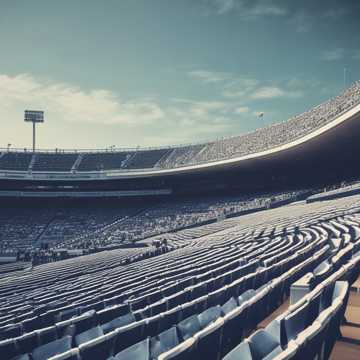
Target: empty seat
[[118, 322], [139, 351], [153, 325], [163, 342], [188, 327], [46, 351], [88, 335], [184, 351], [27, 342], [47, 335], [8, 349], [294, 323], [247, 295], [242, 351], [264, 345], [112, 312], [230, 305], [129, 335], [234, 327], [72, 354], [99, 348], [85, 321], [209, 340], [210, 315], [31, 324], [10, 331]]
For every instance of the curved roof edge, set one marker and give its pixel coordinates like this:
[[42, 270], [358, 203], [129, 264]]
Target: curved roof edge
[[213, 165]]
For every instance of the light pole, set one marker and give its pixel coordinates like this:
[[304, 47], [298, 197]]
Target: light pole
[[34, 117]]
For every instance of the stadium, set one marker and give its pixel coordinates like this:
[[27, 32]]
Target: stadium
[[242, 247]]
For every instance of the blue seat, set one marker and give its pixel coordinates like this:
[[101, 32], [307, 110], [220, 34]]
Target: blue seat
[[72, 354], [112, 313], [88, 335], [139, 351], [188, 309], [247, 295], [69, 313], [184, 351], [242, 351], [46, 351], [209, 339], [163, 342], [210, 315], [188, 327], [22, 357], [99, 348], [152, 325], [10, 331], [31, 324], [230, 305], [8, 349], [118, 322], [234, 326], [313, 309], [85, 321], [27, 342], [159, 307], [170, 317], [294, 323], [47, 334], [129, 335], [263, 345]]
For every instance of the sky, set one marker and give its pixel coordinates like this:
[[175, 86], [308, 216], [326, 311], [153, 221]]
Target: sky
[[158, 72]]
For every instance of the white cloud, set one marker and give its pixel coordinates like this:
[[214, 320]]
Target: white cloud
[[224, 6], [208, 76], [71, 104], [267, 92], [203, 109], [242, 110], [245, 8], [271, 92], [267, 8], [333, 55]]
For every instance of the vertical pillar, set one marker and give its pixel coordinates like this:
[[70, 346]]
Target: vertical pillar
[[33, 136]]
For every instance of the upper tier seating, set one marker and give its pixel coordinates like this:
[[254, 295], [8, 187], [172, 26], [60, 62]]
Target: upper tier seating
[[144, 159], [54, 162], [18, 161], [103, 161]]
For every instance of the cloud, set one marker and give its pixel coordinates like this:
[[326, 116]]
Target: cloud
[[271, 92], [242, 110], [208, 76], [198, 109], [72, 104], [248, 9], [224, 6], [248, 89], [268, 92], [335, 13], [333, 55]]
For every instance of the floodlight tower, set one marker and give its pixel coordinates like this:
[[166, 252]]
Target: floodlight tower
[[34, 117]]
